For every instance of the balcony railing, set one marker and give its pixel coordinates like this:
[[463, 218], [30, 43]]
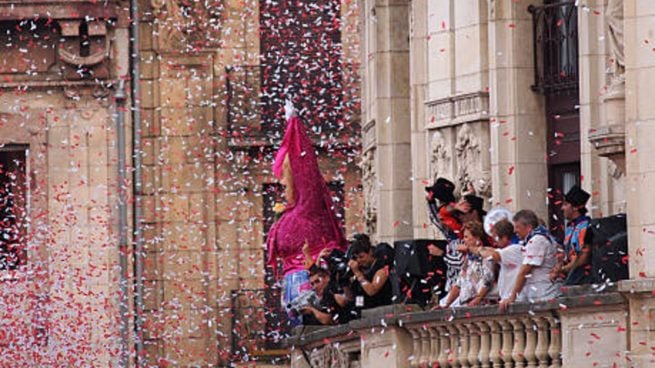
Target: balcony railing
[[548, 334], [555, 41]]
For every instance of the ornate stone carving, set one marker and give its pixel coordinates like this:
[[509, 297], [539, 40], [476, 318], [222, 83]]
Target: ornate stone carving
[[614, 19], [368, 135], [369, 183], [614, 170], [441, 157], [188, 26], [84, 49], [329, 356], [469, 160]]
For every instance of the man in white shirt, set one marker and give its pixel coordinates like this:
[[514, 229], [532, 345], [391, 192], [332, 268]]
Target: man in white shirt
[[539, 258]]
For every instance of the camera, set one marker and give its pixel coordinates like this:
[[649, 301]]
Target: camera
[[301, 302]]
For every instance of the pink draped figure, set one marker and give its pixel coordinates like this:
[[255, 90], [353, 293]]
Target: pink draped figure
[[309, 215]]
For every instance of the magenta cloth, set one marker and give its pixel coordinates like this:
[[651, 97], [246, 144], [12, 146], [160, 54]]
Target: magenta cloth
[[311, 217]]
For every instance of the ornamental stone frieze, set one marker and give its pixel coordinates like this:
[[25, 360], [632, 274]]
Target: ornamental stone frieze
[[457, 127], [188, 26], [470, 163]]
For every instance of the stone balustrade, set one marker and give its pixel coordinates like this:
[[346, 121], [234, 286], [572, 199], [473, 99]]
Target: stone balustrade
[[579, 329], [515, 340]]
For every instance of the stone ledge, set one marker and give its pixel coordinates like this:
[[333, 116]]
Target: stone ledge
[[641, 286], [575, 298]]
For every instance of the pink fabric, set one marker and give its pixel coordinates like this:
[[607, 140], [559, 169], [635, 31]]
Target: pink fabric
[[311, 217]]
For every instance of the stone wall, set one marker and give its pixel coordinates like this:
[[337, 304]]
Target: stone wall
[[62, 307]]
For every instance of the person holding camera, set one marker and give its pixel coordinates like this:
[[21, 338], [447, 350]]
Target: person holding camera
[[321, 313], [371, 286], [329, 280]]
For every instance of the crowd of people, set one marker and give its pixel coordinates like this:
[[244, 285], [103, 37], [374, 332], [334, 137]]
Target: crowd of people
[[511, 259]]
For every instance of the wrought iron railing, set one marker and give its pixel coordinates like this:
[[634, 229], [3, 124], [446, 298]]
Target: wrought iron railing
[[555, 40]]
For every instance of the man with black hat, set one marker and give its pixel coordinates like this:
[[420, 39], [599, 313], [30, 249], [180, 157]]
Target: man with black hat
[[442, 214], [576, 239]]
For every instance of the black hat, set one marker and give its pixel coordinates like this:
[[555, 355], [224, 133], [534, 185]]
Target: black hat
[[576, 196], [442, 189], [477, 203]]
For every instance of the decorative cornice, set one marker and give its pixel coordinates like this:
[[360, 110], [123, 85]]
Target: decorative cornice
[[456, 110]]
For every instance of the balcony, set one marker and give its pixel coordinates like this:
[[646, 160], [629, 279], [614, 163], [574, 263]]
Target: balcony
[[555, 42], [586, 327]]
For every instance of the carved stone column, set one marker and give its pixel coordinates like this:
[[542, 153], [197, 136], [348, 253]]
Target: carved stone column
[[530, 342], [463, 345], [485, 344], [445, 347], [425, 347], [474, 345], [511, 341], [519, 344], [555, 348], [543, 342], [435, 346], [416, 344], [495, 352], [455, 348]]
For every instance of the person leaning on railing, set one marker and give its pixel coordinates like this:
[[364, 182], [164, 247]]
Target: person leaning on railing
[[477, 275], [539, 258]]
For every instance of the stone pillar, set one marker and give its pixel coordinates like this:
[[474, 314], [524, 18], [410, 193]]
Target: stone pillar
[[640, 173], [386, 114], [518, 126], [392, 348], [418, 59], [601, 118]]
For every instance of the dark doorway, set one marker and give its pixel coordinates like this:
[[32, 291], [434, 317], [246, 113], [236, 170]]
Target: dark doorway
[[555, 27]]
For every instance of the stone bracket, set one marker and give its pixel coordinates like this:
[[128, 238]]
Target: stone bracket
[[609, 142]]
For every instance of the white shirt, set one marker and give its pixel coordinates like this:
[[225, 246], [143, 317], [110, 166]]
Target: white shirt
[[511, 259], [541, 253]]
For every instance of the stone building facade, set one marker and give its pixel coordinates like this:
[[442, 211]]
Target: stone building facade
[[206, 190], [517, 100]]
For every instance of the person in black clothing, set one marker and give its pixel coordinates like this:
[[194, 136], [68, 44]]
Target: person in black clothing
[[371, 286], [322, 313]]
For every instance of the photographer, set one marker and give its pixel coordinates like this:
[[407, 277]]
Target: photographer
[[331, 285], [321, 312], [371, 286]]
